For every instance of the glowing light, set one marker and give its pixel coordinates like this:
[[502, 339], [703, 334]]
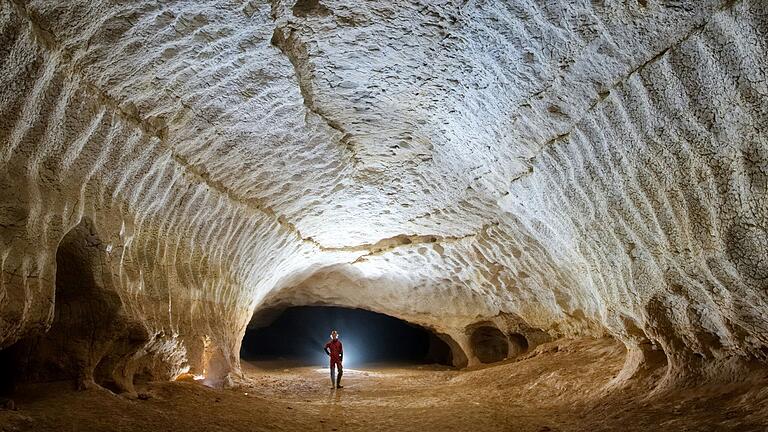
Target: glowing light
[[326, 371], [199, 377]]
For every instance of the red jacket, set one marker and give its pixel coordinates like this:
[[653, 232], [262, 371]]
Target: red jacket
[[334, 349]]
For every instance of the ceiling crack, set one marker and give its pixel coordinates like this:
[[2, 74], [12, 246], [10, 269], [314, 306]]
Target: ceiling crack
[[404, 240], [603, 95], [285, 39]]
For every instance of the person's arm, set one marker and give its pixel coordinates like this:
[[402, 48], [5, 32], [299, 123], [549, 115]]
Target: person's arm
[[327, 349], [341, 352]]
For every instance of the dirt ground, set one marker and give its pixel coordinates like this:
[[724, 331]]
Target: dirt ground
[[561, 387]]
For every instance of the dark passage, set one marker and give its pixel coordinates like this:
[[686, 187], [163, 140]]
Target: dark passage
[[89, 336], [299, 334]]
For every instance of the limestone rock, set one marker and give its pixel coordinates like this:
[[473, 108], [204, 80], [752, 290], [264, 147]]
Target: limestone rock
[[551, 169]]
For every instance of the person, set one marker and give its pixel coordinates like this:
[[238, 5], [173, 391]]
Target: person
[[336, 353]]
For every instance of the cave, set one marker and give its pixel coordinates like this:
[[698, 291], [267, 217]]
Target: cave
[[489, 344], [299, 333], [519, 215], [518, 344]]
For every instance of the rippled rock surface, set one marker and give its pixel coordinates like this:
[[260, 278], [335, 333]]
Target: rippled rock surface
[[170, 171]]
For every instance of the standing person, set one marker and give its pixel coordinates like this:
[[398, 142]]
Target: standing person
[[336, 353]]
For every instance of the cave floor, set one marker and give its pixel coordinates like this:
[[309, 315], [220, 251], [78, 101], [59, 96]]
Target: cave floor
[[558, 388]]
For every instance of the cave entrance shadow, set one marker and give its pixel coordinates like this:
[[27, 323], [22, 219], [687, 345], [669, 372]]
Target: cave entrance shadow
[[489, 344], [87, 335], [295, 336]]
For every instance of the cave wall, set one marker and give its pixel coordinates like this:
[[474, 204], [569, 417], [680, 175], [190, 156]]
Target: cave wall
[[559, 168], [88, 336], [70, 151]]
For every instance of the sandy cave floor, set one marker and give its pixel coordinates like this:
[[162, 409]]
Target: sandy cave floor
[[556, 388]]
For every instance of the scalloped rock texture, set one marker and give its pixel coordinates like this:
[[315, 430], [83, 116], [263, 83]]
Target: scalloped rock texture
[[555, 169]]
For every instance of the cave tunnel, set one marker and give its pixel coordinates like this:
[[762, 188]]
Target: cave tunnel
[[298, 334], [569, 197]]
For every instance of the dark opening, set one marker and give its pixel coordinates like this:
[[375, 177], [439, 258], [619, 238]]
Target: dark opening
[[299, 334], [304, 8], [45, 356], [519, 344], [85, 325], [489, 344]]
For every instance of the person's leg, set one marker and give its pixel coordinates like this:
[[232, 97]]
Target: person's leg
[[333, 374], [338, 377]]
